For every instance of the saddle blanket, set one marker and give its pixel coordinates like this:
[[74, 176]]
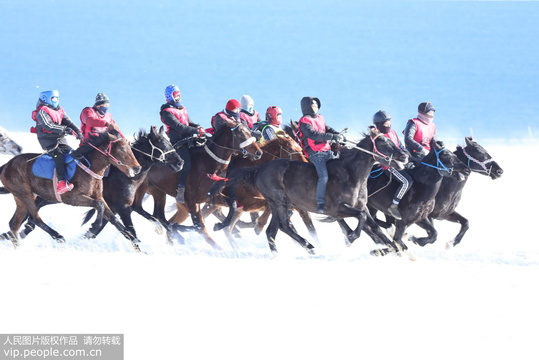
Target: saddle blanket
[[44, 167]]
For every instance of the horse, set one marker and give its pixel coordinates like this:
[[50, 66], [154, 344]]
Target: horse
[[210, 162], [19, 180], [250, 199], [419, 201], [7, 145], [448, 197], [286, 184], [119, 190]]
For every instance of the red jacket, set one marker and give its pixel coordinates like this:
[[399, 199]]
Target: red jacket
[[318, 124], [92, 123]]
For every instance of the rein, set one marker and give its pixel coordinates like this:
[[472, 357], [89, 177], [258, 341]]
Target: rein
[[483, 164], [108, 152], [87, 170], [439, 165], [376, 154]]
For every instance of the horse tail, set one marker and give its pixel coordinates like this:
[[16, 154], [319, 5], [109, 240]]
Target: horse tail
[[235, 177], [88, 215]]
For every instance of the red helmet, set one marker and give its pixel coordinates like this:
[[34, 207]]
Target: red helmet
[[272, 115]]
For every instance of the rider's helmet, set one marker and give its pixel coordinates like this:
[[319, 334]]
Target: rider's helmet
[[50, 97], [274, 115], [173, 95]]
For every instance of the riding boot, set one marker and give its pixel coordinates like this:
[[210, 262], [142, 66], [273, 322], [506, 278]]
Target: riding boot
[[63, 187], [393, 210], [180, 195]]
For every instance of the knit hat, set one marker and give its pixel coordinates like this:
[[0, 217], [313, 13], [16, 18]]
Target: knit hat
[[381, 117], [101, 99], [425, 107], [232, 104], [246, 101]]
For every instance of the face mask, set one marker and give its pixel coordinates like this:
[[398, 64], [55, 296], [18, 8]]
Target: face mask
[[103, 109], [55, 102], [249, 109]]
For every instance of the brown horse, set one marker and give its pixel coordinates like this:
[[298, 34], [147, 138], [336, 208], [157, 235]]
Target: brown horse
[[209, 162], [19, 180]]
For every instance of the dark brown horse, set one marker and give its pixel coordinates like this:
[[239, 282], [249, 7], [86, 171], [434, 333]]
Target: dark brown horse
[[18, 179], [209, 162]]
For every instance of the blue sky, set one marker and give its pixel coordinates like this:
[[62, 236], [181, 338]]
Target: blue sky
[[476, 61]]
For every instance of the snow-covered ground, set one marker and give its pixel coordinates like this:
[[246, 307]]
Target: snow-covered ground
[[476, 301]]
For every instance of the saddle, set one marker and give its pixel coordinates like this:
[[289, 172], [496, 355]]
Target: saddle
[[44, 167]]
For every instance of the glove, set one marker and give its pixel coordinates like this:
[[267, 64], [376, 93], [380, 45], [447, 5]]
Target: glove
[[423, 153], [338, 138], [201, 132]]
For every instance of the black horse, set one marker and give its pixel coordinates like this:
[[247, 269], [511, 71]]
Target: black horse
[[449, 195], [286, 184], [419, 201], [119, 190]]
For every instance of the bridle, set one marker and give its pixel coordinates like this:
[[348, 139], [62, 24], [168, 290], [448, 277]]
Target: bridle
[[161, 158], [439, 164], [483, 164], [108, 152], [242, 146]]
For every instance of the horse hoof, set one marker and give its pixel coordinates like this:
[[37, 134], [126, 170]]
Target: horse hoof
[[311, 251], [88, 235]]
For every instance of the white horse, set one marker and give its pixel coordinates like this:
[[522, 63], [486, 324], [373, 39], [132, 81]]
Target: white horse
[[7, 145]]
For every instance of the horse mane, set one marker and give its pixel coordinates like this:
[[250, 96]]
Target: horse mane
[[142, 133], [103, 137]]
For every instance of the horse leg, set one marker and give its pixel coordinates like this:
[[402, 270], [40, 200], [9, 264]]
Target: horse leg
[[198, 223], [29, 208], [109, 215], [284, 224], [432, 234], [262, 220], [99, 222], [306, 217], [229, 230], [125, 214], [30, 225], [464, 226], [271, 233]]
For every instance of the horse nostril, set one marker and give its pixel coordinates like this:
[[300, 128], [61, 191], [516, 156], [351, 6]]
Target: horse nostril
[[137, 169]]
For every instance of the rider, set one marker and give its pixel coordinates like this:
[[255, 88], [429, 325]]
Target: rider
[[315, 139], [231, 113], [94, 120], [382, 121], [248, 112], [420, 131], [179, 128], [270, 128], [52, 124]]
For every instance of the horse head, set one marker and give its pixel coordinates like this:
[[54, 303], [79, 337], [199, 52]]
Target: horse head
[[7, 145], [292, 130], [284, 147], [161, 149], [478, 159], [117, 150], [445, 161], [243, 140], [386, 151]]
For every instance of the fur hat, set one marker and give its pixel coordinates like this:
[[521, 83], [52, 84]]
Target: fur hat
[[101, 99]]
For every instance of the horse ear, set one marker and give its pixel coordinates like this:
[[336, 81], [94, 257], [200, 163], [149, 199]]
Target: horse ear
[[468, 140], [153, 130], [161, 130]]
